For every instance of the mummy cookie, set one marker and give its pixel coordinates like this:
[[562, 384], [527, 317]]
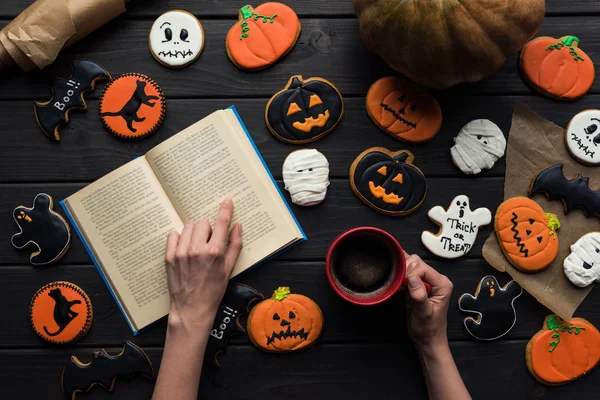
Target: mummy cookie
[[582, 266], [494, 306], [478, 146], [458, 228], [582, 137], [176, 39], [306, 176], [41, 227]]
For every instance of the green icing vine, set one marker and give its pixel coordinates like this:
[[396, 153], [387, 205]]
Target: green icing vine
[[556, 327], [568, 42], [247, 13]]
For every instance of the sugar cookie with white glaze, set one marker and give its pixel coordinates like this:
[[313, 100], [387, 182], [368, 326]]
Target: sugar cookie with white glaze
[[478, 146], [306, 176]]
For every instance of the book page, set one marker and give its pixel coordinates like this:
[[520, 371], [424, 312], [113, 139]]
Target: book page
[[212, 159], [125, 217]]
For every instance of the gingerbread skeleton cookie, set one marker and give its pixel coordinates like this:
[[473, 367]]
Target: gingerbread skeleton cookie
[[582, 266], [459, 226], [176, 39], [306, 176], [582, 137], [478, 146]]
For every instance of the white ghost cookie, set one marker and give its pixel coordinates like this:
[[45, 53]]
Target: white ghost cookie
[[582, 137], [306, 176], [478, 146], [582, 266], [458, 228], [176, 38]]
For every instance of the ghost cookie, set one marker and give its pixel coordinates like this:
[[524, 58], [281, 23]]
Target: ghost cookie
[[176, 39], [41, 227], [582, 137], [306, 176], [494, 307], [478, 146], [582, 266], [458, 228]]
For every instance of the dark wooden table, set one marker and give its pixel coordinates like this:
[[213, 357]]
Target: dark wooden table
[[365, 352]]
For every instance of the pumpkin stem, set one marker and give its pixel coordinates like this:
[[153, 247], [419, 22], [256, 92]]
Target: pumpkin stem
[[568, 41], [246, 11], [552, 324], [572, 42], [557, 327], [281, 293], [553, 224]]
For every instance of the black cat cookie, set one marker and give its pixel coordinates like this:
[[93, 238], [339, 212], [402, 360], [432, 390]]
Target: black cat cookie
[[41, 227], [494, 307], [67, 95]]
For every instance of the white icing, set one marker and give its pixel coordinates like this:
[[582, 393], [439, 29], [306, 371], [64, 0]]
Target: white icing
[[585, 250], [306, 176], [176, 38], [583, 137], [458, 228], [478, 146]]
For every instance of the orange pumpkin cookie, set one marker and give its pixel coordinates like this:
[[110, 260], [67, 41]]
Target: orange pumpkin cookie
[[60, 312], [563, 351], [401, 110], [526, 234], [262, 35], [557, 67], [132, 106], [285, 322]]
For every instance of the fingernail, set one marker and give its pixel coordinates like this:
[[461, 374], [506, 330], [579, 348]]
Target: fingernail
[[227, 200], [413, 282]]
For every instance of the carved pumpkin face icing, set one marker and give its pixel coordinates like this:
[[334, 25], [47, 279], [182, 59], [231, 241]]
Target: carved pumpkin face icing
[[387, 181], [401, 110], [305, 110]]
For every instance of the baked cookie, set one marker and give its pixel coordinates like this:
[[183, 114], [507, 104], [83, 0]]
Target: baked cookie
[[306, 176], [262, 35], [478, 146], [387, 181], [397, 107], [285, 322], [562, 352], [494, 306], [42, 227], [557, 68], [582, 137], [526, 234], [176, 39], [67, 95], [574, 193], [305, 110], [458, 228], [60, 312], [132, 106], [582, 266]]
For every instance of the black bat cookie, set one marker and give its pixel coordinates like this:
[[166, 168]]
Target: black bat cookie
[[104, 370], [237, 301], [493, 305], [574, 193], [68, 95], [41, 227]]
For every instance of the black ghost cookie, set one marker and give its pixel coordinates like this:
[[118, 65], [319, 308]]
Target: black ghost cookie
[[305, 110], [388, 181], [67, 96], [43, 228], [494, 307]]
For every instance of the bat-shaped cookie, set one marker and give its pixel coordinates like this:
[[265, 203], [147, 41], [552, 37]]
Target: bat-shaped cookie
[[237, 301], [104, 370], [574, 193], [67, 95]]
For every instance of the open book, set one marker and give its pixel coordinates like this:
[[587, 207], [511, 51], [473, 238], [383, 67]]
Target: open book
[[123, 218]]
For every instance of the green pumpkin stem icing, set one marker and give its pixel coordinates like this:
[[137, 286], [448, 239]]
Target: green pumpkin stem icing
[[247, 12], [553, 224], [281, 293], [553, 325], [568, 42]]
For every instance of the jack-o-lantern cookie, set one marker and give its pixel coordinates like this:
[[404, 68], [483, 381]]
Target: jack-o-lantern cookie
[[262, 35], [582, 137], [43, 228], [478, 146], [132, 106], [60, 312], [176, 39], [557, 67], [285, 322], [526, 234], [582, 265], [305, 110], [562, 352], [388, 181], [306, 176], [401, 110]]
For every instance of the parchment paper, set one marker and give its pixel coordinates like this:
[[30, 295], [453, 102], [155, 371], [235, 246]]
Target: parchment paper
[[36, 36], [533, 145]]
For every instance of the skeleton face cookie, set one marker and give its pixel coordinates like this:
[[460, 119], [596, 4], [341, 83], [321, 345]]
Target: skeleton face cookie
[[306, 176], [582, 266], [176, 39], [582, 137], [458, 228], [478, 146]]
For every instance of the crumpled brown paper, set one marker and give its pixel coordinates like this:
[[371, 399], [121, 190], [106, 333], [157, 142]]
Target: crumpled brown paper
[[533, 145], [36, 36]]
